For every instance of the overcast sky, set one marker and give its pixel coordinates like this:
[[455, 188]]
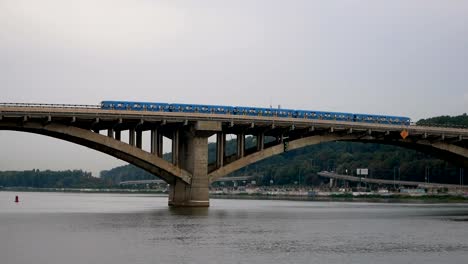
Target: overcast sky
[[399, 57]]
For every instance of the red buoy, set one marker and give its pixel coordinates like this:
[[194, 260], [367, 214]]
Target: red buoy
[[16, 199]]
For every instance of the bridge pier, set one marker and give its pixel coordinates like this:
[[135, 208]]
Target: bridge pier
[[156, 142], [192, 154], [220, 149], [240, 145]]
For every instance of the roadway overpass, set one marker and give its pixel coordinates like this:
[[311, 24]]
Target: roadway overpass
[[425, 185], [157, 181], [189, 173]]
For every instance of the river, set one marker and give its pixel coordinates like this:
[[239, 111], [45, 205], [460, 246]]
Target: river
[[48, 228]]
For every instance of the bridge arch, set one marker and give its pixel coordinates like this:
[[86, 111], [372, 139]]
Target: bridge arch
[[444, 151], [133, 155]]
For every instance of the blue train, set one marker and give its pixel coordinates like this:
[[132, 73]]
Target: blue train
[[254, 111]]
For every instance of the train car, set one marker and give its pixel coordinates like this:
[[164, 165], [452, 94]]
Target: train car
[[398, 120], [306, 114], [196, 108], [259, 111], [382, 119], [255, 111], [245, 110], [220, 109], [366, 118], [265, 112], [117, 105], [134, 106], [157, 107], [339, 116], [186, 108], [288, 113]]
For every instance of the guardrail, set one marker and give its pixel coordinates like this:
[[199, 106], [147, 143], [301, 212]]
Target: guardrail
[[441, 125], [29, 105]]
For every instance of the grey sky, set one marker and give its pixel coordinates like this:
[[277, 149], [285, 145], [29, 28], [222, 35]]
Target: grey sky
[[401, 57]]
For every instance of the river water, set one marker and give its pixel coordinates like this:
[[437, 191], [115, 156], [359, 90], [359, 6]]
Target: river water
[[48, 228]]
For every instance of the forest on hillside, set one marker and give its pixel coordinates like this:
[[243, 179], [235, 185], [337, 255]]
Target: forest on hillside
[[50, 179]]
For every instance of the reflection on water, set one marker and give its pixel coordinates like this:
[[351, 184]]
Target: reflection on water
[[113, 228]]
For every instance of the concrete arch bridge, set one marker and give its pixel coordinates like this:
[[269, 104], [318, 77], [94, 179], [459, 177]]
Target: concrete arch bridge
[[188, 172]]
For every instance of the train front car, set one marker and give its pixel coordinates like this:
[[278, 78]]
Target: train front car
[[115, 105], [382, 119], [134, 106], [399, 120]]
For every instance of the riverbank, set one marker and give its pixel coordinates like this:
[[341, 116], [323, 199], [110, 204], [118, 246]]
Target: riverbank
[[279, 195], [352, 198], [82, 190]]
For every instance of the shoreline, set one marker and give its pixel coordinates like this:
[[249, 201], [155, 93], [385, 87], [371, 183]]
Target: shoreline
[[332, 197]]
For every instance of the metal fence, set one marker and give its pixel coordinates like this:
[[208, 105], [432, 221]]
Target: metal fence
[[30, 105]]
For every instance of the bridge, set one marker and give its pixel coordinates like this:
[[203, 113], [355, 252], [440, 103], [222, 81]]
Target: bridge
[[425, 185], [188, 172], [157, 181]]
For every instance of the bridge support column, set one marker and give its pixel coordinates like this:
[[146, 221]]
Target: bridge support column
[[139, 139], [220, 145], [110, 133], [156, 142], [193, 157], [260, 141], [131, 137], [175, 147], [118, 135], [240, 145]]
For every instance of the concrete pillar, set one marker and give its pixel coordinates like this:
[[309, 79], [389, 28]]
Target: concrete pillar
[[193, 157], [156, 143], [139, 138], [118, 135], [110, 133], [260, 141], [153, 141], [131, 136], [192, 152], [159, 149], [220, 144], [175, 147], [240, 145]]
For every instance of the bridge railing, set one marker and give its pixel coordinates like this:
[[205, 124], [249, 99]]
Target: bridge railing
[[441, 125], [30, 105]]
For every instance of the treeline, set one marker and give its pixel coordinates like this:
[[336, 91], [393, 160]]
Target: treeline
[[449, 121], [125, 173], [50, 179]]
